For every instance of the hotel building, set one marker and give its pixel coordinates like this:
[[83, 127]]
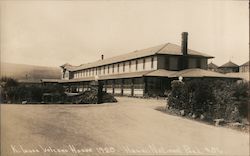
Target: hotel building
[[139, 73]]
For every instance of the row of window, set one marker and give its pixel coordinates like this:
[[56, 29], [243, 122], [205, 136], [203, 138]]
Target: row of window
[[128, 66]]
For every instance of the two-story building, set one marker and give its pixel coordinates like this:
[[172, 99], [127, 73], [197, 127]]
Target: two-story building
[[139, 73]]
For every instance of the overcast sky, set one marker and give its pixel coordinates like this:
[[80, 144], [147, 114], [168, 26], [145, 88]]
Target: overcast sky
[[51, 33]]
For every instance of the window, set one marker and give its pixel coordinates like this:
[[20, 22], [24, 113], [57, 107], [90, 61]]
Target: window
[[138, 83], [118, 65], [198, 63], [99, 70], [143, 63], [152, 62], [113, 68], [95, 71], [129, 65], [167, 63], [108, 69], [103, 69], [136, 64], [123, 66]]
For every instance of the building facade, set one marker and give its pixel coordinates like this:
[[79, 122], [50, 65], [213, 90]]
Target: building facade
[[212, 67], [229, 67], [139, 73], [244, 67]]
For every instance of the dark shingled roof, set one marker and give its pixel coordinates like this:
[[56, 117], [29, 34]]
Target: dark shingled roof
[[229, 64], [212, 66], [168, 49], [245, 64]]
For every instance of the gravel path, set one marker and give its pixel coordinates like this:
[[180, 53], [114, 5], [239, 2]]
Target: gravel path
[[131, 126]]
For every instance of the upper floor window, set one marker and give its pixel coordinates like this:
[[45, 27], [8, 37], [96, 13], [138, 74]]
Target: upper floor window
[[129, 65], [108, 69], [113, 68], [99, 70], [152, 62], [123, 66], [143, 63], [118, 65], [136, 64], [103, 69]]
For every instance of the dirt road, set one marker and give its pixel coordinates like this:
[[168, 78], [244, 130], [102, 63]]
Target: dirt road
[[131, 126]]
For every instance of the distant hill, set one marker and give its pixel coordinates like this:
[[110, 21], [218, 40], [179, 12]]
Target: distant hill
[[23, 71]]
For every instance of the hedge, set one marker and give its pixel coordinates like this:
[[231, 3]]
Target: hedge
[[212, 98]]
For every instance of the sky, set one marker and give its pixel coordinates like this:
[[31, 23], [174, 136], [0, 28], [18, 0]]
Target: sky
[[53, 32]]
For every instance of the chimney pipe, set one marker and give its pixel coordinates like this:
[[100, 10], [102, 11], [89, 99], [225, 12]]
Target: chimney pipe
[[102, 57], [184, 43]]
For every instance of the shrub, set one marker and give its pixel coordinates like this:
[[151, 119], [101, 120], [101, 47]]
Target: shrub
[[241, 92], [200, 95], [178, 97], [215, 98]]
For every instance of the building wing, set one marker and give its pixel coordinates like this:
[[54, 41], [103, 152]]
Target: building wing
[[166, 49]]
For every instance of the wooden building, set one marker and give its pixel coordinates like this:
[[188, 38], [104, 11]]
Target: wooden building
[[229, 67], [139, 73], [244, 67], [212, 67]]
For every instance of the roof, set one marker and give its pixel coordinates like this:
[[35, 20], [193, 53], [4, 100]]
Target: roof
[[228, 65], [50, 80], [161, 73], [245, 64], [65, 65], [167, 49], [244, 76], [196, 72], [212, 66], [106, 77], [78, 80], [125, 75], [29, 81]]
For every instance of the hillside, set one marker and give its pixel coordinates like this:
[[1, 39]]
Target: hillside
[[22, 71]]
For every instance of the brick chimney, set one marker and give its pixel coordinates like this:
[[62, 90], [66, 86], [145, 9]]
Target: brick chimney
[[184, 43], [184, 51]]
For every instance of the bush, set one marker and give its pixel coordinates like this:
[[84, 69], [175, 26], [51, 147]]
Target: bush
[[215, 98], [200, 95], [241, 92], [7, 86], [178, 97], [14, 92]]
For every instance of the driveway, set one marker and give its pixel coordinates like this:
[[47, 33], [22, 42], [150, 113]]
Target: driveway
[[130, 127]]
